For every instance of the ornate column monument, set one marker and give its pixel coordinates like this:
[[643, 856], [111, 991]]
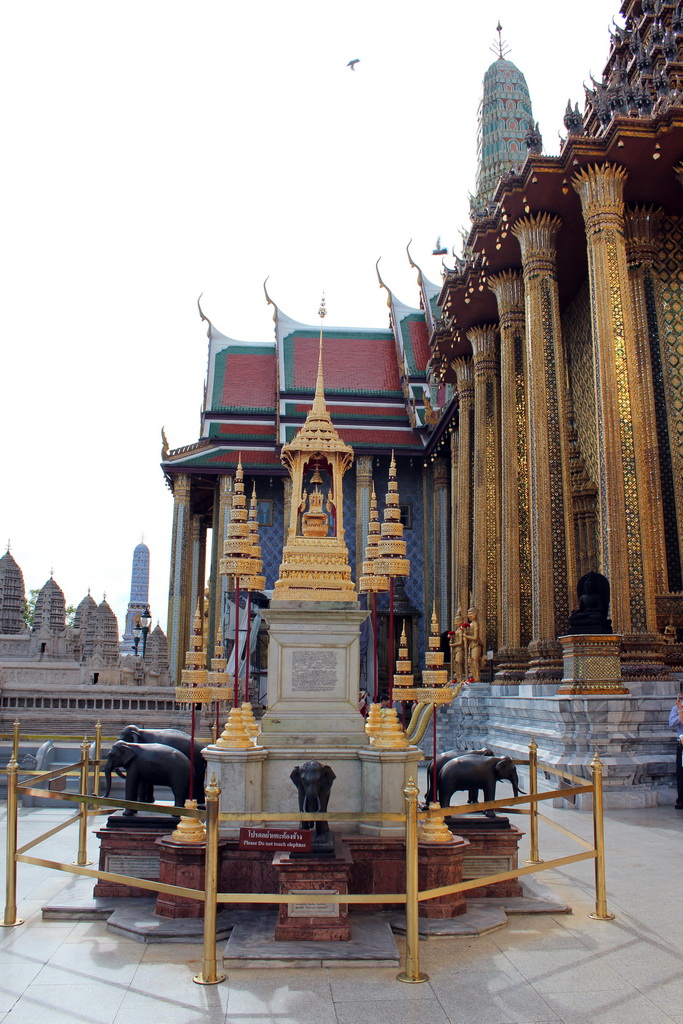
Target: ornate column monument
[[551, 525], [463, 550]]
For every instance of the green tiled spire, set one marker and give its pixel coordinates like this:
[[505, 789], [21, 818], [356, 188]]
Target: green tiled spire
[[505, 118]]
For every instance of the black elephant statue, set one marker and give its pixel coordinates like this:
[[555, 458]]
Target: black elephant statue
[[441, 760], [473, 772], [314, 781], [172, 738], [147, 765]]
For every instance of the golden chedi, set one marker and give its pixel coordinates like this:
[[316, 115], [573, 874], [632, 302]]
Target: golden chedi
[[371, 582], [374, 721], [390, 736], [315, 561], [189, 830], [238, 545], [194, 688], [403, 676], [434, 674], [391, 558], [234, 735], [254, 578]]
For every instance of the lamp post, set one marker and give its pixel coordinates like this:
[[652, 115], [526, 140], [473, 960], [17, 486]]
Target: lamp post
[[137, 633], [145, 623]]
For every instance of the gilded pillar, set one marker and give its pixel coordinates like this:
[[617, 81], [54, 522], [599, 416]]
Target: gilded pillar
[[287, 486], [551, 528], [625, 501], [642, 226], [363, 495], [486, 531], [515, 570], [463, 519], [453, 540], [178, 615], [440, 521]]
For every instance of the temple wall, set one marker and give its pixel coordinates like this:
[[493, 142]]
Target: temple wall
[[667, 359], [576, 329]]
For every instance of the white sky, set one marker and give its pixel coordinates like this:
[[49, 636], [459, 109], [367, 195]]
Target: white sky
[[157, 149]]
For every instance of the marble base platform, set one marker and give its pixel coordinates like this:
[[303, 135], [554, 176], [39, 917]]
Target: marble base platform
[[252, 943], [629, 731]]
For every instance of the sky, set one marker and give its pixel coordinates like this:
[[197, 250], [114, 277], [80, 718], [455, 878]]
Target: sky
[[155, 150]]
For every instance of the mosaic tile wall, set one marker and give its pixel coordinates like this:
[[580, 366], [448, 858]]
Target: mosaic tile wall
[[576, 329], [271, 537], [667, 367]]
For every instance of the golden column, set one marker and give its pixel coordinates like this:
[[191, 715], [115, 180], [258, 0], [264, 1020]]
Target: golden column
[[486, 531], [440, 533], [178, 609], [455, 451], [363, 496], [625, 501], [551, 527], [463, 549], [515, 581], [642, 225]]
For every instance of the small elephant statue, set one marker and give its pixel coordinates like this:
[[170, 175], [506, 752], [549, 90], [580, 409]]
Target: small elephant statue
[[443, 759], [314, 783], [473, 772], [147, 765], [172, 738]]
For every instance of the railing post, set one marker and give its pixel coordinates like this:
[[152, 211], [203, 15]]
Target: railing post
[[601, 912], [15, 741], [209, 974], [96, 766], [533, 804], [11, 918], [82, 858], [411, 973]]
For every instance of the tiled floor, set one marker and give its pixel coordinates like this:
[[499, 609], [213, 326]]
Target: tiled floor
[[537, 969]]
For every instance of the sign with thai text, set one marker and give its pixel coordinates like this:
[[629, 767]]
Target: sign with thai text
[[298, 839]]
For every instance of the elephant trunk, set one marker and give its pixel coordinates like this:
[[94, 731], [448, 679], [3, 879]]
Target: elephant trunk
[[107, 777]]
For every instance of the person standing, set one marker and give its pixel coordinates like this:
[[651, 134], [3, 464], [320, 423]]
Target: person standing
[[676, 722]]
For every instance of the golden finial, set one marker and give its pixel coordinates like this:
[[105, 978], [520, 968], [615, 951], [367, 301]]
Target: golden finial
[[189, 830], [9, 546], [234, 736], [322, 312]]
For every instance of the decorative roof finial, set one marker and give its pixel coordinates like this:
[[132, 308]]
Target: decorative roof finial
[[500, 47], [319, 407], [9, 546]]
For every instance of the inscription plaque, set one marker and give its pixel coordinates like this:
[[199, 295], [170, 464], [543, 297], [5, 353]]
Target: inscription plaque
[[129, 864], [314, 671], [477, 867], [314, 909]]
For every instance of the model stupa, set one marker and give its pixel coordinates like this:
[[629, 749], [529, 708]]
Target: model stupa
[[315, 561]]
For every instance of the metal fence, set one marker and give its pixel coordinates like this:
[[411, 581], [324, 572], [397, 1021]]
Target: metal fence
[[92, 805]]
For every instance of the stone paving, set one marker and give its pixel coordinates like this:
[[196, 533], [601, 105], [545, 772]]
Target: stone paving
[[565, 969]]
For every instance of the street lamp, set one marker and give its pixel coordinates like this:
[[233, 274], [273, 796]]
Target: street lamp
[[137, 633], [145, 622]]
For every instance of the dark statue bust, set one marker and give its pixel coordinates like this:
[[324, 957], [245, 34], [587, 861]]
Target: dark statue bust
[[591, 615]]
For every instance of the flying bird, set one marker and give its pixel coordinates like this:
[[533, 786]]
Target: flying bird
[[352, 63], [438, 250]]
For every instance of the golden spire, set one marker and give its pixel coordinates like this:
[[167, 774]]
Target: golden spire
[[404, 667], [434, 673], [371, 581], [391, 560], [193, 679]]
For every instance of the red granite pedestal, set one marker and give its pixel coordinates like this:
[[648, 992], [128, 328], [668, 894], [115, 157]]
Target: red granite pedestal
[[493, 848], [441, 864], [302, 922], [128, 846]]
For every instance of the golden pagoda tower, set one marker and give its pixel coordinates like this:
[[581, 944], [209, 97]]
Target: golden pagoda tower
[[315, 561], [371, 582], [391, 558], [237, 547], [434, 674], [403, 676]]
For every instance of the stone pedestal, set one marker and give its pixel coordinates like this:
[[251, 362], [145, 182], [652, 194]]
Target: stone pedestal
[[128, 846], [442, 864], [313, 675], [545, 661], [592, 664], [181, 864], [384, 775], [302, 922], [493, 846], [239, 774]]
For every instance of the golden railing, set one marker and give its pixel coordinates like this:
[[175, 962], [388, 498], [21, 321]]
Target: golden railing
[[91, 805]]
